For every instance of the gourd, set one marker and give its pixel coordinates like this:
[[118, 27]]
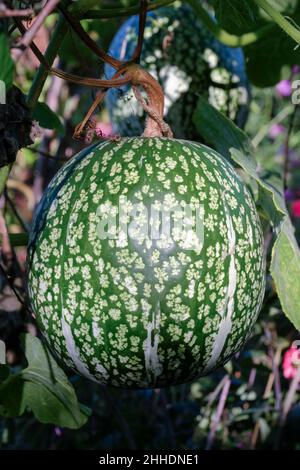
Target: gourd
[[188, 62], [133, 299]]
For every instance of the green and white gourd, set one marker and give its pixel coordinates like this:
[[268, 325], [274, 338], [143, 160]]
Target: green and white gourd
[[131, 310]]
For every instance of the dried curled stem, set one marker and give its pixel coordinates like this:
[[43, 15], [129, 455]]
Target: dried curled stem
[[136, 76], [128, 73]]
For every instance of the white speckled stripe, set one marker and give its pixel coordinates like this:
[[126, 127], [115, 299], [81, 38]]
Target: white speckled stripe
[[152, 364], [226, 323], [72, 349]]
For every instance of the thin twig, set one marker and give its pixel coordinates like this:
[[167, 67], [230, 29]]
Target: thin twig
[[288, 402], [14, 210], [46, 59], [214, 394], [120, 418], [275, 359], [9, 13], [92, 45], [47, 155], [218, 415], [142, 24], [287, 148], [79, 130], [14, 289], [120, 12], [6, 248]]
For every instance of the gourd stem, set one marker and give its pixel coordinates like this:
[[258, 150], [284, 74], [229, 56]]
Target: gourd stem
[[155, 125]]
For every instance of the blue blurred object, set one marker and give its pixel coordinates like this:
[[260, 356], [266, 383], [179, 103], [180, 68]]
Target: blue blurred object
[[188, 62]]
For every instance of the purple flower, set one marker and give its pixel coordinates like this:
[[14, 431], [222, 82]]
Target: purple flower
[[276, 130], [58, 431], [295, 69], [289, 195], [284, 88]]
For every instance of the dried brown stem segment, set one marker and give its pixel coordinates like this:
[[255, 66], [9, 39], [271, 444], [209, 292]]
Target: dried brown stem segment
[[155, 125]]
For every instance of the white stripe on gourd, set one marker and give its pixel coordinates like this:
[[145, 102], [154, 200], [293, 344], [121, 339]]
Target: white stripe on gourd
[[226, 322]]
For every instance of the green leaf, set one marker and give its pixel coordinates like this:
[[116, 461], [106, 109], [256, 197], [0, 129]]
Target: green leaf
[[6, 63], [237, 16], [81, 6], [234, 144], [285, 261], [43, 388], [285, 270], [47, 118], [270, 196], [266, 58], [4, 173], [218, 130]]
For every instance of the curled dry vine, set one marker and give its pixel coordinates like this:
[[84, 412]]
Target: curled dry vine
[[126, 73]]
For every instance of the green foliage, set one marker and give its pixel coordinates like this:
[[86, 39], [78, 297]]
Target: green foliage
[[71, 50], [217, 129], [285, 264], [4, 173], [267, 56], [7, 66], [237, 16], [42, 387]]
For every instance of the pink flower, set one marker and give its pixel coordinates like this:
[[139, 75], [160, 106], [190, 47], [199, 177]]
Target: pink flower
[[291, 362], [103, 129], [284, 88], [296, 208], [276, 130]]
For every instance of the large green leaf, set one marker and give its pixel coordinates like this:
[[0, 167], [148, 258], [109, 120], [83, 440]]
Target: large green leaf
[[233, 143], [241, 16], [270, 196], [285, 270], [47, 118], [218, 130], [6, 62], [43, 388], [237, 16], [266, 57]]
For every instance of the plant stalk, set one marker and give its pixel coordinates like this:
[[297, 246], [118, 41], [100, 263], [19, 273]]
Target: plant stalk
[[291, 30], [115, 12], [38, 83]]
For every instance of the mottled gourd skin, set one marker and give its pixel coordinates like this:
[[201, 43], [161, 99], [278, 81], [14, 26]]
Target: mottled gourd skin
[[138, 312], [186, 59]]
